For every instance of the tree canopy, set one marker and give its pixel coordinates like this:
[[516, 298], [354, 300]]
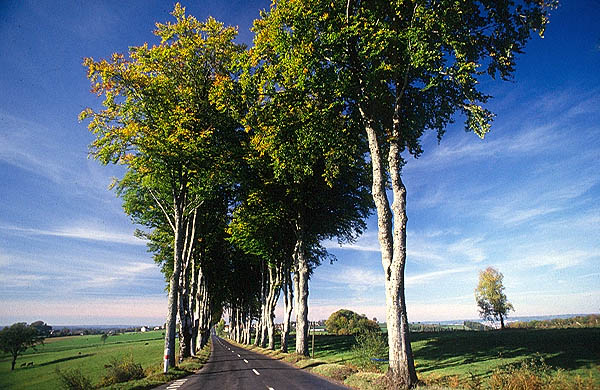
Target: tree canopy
[[344, 322], [490, 297], [15, 339]]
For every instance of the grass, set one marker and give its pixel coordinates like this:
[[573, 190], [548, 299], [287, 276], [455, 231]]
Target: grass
[[462, 357], [90, 355]]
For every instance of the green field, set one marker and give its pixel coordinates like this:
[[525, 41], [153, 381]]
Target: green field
[[460, 354], [86, 353], [469, 355]]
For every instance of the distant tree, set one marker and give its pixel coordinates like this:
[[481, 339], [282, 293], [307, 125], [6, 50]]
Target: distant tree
[[344, 322], [103, 338], [490, 297], [16, 338], [42, 328]]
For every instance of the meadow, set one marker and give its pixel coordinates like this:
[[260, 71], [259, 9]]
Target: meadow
[[457, 358], [89, 355], [466, 359]]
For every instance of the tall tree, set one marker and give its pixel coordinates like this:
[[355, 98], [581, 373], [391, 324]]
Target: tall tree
[[158, 122], [295, 120], [490, 297], [404, 67]]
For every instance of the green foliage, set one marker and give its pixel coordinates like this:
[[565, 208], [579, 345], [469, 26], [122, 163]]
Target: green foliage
[[371, 350], [590, 321], [490, 297], [345, 322], [74, 379], [15, 340], [220, 328], [42, 328], [122, 370], [472, 325], [535, 374]]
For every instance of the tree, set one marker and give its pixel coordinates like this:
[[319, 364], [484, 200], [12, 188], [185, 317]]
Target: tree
[[490, 297], [103, 338], [16, 338], [42, 328], [158, 122], [344, 322], [406, 67]]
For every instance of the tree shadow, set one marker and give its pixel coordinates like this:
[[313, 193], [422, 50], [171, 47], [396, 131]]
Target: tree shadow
[[66, 359], [567, 349]]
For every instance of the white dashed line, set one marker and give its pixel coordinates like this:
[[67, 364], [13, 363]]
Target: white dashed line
[[270, 388], [176, 384], [239, 355], [245, 361], [256, 372]]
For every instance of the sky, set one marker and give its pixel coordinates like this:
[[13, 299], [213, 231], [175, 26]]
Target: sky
[[526, 200]]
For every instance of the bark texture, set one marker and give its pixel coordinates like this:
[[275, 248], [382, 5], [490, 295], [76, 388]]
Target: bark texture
[[301, 285], [392, 240]]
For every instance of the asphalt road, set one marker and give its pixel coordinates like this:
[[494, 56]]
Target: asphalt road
[[231, 367]]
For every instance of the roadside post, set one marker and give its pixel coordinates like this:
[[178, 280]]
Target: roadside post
[[313, 340], [166, 360]]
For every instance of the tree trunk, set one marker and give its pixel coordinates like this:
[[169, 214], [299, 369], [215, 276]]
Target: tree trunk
[[272, 297], [393, 255], [501, 322], [171, 327], [288, 305], [301, 284], [14, 361]]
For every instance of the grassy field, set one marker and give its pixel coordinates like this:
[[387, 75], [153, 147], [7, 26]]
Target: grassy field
[[468, 356], [89, 355]]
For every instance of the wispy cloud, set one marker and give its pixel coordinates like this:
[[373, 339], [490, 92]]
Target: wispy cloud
[[428, 277], [81, 233], [558, 260], [17, 148]]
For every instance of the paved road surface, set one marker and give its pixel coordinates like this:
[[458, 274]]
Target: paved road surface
[[231, 367]]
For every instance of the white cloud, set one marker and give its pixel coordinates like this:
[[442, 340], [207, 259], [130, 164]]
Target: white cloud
[[353, 278], [428, 277], [558, 259], [81, 232]]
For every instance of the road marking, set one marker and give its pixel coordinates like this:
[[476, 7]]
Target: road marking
[[245, 361], [177, 384], [238, 355], [256, 372], [270, 388]]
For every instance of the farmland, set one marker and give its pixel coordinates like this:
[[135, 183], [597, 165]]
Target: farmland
[[462, 355], [85, 353], [466, 356]]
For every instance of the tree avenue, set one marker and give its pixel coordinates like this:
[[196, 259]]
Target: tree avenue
[[403, 68], [241, 161]]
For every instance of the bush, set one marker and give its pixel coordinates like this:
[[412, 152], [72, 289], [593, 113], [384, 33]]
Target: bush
[[345, 322], [535, 374], [122, 371], [369, 346], [74, 380]]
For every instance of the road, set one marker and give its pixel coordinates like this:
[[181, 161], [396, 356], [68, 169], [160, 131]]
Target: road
[[231, 367]]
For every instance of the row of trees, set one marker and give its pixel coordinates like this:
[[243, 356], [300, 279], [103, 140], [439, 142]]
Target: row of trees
[[241, 161]]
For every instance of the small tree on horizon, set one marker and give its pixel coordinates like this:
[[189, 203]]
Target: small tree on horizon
[[489, 294]]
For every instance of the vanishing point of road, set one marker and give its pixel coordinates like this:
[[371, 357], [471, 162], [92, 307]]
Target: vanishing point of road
[[232, 367]]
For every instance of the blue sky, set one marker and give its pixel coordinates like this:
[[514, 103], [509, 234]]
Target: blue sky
[[525, 200]]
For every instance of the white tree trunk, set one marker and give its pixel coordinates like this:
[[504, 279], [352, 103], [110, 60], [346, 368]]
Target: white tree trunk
[[393, 256], [272, 297], [301, 284], [170, 327], [288, 305]]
